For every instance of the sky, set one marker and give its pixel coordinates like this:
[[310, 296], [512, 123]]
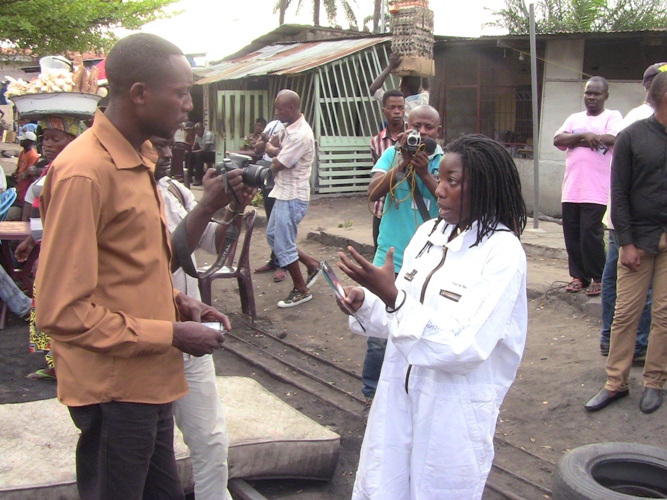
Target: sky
[[214, 28]]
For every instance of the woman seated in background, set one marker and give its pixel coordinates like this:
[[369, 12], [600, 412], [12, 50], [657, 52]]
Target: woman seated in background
[[455, 318]]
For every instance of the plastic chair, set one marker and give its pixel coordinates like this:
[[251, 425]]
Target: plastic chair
[[7, 199], [241, 272]]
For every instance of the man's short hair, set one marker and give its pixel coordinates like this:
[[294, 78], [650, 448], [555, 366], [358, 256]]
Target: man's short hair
[[652, 71], [391, 93], [658, 88], [602, 80], [261, 120], [141, 57], [412, 84]]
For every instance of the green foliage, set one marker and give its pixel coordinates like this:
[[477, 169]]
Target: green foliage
[[330, 8], [61, 26], [258, 200], [553, 16]]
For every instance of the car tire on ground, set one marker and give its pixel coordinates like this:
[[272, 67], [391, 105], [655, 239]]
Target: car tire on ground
[[611, 471]]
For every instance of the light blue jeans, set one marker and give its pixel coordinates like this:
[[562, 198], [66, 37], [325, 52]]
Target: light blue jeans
[[17, 301], [281, 229]]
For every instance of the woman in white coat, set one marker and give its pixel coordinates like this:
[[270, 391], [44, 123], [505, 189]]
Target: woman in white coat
[[455, 317]]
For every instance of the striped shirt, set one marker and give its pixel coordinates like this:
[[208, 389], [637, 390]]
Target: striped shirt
[[379, 144], [297, 150]]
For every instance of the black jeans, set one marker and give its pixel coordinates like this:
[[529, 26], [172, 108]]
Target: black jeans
[[126, 452], [584, 240], [197, 164]]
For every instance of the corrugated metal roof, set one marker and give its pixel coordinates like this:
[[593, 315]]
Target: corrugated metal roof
[[280, 59]]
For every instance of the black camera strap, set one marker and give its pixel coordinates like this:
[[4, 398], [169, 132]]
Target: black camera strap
[[179, 243], [419, 199]]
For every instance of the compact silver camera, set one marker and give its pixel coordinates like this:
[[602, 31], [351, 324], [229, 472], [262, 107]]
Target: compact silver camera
[[413, 141]]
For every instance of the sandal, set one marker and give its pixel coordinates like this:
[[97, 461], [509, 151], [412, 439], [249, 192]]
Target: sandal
[[280, 275], [264, 269], [41, 374], [595, 288], [574, 286]]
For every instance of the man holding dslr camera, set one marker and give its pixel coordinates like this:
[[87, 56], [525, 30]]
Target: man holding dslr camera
[[200, 414], [409, 167]]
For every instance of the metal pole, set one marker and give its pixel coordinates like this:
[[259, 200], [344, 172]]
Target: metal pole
[[536, 127]]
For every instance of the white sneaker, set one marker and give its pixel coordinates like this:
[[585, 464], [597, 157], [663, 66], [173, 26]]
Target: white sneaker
[[295, 298]]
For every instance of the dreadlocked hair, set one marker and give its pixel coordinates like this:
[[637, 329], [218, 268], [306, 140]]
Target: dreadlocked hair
[[494, 186]]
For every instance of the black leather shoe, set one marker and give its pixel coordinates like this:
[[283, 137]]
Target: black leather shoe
[[603, 398], [651, 400]]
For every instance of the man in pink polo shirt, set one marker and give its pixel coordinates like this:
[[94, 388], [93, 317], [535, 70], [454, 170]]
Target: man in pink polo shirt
[[588, 138]]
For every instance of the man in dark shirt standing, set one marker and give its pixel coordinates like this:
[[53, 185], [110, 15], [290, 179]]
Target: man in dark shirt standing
[[639, 215]]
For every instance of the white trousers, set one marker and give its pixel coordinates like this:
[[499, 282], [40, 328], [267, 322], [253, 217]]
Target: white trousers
[[200, 417]]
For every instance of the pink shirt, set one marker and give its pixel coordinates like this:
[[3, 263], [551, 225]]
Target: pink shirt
[[587, 172]]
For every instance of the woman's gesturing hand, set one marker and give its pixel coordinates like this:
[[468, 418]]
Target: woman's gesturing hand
[[378, 280]]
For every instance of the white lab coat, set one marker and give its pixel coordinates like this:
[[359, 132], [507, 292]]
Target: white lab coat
[[464, 343]]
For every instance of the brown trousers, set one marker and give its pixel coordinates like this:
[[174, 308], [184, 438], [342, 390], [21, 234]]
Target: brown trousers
[[631, 297]]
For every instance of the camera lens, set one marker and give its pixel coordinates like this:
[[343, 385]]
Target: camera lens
[[257, 176]]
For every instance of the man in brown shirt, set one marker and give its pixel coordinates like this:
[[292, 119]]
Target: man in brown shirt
[[106, 293]]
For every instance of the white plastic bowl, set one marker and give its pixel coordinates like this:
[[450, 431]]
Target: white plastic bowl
[[77, 104]]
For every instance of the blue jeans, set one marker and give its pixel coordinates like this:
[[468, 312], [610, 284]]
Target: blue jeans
[[282, 227], [609, 299], [370, 374]]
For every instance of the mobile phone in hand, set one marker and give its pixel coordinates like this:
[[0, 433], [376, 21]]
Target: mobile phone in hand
[[215, 325]]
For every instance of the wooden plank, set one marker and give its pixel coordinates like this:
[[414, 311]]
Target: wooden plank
[[346, 189], [357, 146], [243, 490], [338, 183], [346, 175], [361, 155], [327, 140], [346, 163]]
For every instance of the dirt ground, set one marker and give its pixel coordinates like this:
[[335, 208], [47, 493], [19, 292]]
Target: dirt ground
[[543, 412]]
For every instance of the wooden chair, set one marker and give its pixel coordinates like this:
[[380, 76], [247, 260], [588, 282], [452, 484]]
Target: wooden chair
[[179, 160], [241, 271]]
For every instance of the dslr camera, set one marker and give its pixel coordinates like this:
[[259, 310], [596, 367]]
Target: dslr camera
[[256, 176], [413, 141]]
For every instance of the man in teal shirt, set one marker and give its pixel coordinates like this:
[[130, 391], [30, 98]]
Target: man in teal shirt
[[394, 174]]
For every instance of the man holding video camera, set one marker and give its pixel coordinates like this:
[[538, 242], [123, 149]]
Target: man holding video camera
[[405, 174], [291, 166]]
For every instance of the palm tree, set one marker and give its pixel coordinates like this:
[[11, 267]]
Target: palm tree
[[376, 15], [330, 7]]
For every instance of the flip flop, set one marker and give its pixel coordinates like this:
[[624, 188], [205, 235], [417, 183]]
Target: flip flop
[[264, 269], [595, 288], [40, 375], [280, 275], [575, 286]]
